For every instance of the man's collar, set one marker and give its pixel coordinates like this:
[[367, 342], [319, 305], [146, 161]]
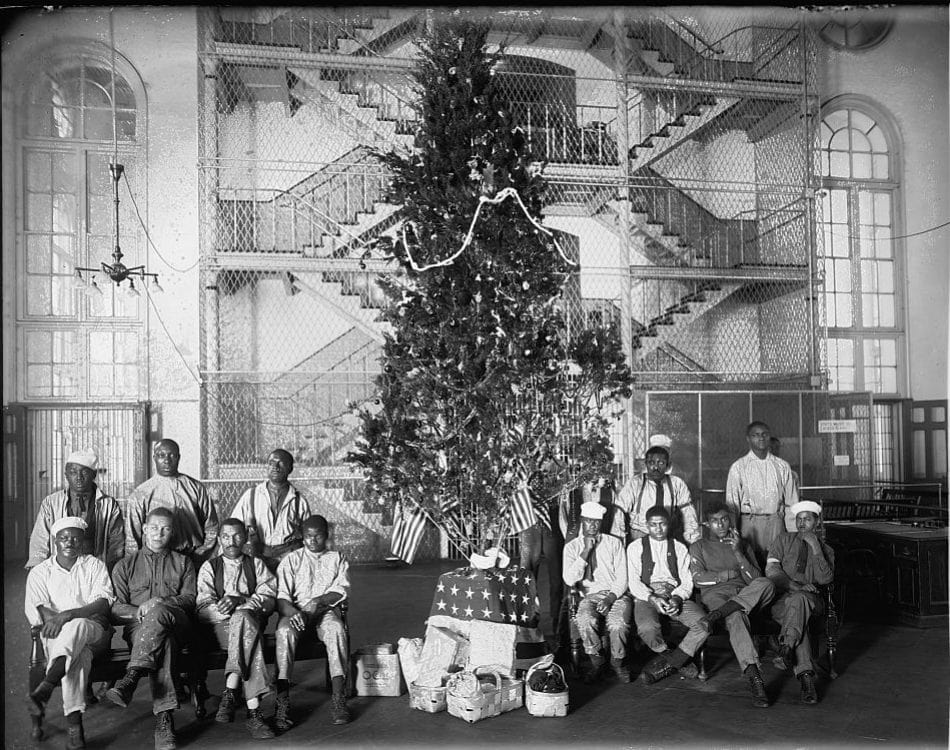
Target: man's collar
[[149, 551], [57, 564]]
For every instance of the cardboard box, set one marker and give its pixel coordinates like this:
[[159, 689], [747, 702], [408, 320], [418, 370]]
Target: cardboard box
[[377, 674]]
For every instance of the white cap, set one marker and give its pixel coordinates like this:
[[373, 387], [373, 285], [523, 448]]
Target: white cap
[[68, 522], [809, 505], [593, 510], [660, 441], [87, 458]]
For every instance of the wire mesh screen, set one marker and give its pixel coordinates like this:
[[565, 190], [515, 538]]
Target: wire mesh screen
[[678, 170]]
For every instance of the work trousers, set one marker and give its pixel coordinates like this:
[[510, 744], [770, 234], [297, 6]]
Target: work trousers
[[590, 624], [792, 611], [241, 635], [759, 531], [79, 641], [649, 626], [758, 593], [156, 641], [328, 628]]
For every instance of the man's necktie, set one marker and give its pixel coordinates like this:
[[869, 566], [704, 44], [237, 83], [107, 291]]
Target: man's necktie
[[802, 562], [591, 564], [659, 492]]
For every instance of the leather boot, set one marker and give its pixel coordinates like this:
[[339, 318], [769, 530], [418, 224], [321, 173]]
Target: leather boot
[[760, 698], [339, 713], [121, 693], [225, 713], [620, 669], [36, 728], [165, 731], [809, 692], [282, 714], [592, 673], [657, 668], [256, 726], [76, 739], [36, 701], [721, 613]]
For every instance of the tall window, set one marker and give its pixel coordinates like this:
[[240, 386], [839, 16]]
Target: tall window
[[75, 346], [861, 265]]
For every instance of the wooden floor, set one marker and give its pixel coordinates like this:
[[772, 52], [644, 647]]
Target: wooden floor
[[893, 690]]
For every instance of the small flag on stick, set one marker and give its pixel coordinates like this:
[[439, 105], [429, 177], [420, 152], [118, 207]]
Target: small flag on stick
[[407, 532]]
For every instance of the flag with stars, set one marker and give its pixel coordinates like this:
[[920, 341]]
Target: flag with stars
[[506, 595]]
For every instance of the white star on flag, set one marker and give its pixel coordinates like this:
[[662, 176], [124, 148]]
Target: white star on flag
[[526, 598], [487, 613], [454, 609], [524, 617], [441, 604], [468, 611], [515, 579], [512, 616], [440, 587], [513, 596], [454, 590], [468, 593], [485, 594], [527, 580]]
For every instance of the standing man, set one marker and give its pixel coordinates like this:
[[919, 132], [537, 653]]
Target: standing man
[[661, 584], [67, 598], [273, 511], [731, 586], [195, 529], [311, 583], [759, 488], [595, 564], [236, 594], [652, 487], [155, 596], [104, 536], [798, 563]]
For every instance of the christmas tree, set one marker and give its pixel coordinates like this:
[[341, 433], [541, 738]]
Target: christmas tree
[[482, 393]]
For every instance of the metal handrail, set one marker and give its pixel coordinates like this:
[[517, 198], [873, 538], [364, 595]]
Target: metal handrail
[[667, 18], [704, 60]]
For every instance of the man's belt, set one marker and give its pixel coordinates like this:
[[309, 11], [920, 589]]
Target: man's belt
[[759, 514]]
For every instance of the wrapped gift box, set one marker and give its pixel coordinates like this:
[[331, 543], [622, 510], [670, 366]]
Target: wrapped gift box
[[509, 648], [410, 655], [507, 595], [442, 651]]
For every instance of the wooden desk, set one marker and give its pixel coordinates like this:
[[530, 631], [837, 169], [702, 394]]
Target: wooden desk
[[912, 562]]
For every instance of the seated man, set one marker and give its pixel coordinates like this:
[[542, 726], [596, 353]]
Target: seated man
[[660, 581], [798, 563], [68, 597], [311, 582], [155, 595], [236, 594], [595, 564], [273, 511], [731, 586]]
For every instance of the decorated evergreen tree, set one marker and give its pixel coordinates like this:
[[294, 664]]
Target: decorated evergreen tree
[[481, 390]]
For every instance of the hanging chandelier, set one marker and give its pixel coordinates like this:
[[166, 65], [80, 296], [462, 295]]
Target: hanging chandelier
[[116, 271]]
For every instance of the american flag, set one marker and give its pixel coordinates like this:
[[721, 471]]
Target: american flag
[[407, 532], [508, 595], [521, 511]]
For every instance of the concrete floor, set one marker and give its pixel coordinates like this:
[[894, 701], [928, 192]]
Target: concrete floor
[[893, 690]]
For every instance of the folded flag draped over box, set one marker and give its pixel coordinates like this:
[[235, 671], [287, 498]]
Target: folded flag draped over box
[[506, 595]]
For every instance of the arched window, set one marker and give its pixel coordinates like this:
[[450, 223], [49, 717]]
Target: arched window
[[862, 258], [77, 347]]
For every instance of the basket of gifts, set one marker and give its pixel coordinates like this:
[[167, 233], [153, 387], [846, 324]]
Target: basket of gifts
[[428, 699], [483, 692], [545, 692]]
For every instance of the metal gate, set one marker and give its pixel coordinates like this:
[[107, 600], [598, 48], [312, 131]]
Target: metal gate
[[37, 440]]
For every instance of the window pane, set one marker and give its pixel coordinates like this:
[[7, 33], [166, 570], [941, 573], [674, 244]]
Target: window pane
[[839, 141], [876, 137], [101, 380], [840, 166], [126, 348], [859, 142], [38, 172], [40, 121], [38, 296], [939, 467], [882, 209], [127, 380], [861, 121], [38, 253], [39, 212], [64, 122], [100, 347], [63, 296], [918, 441], [861, 164], [39, 381], [98, 125], [917, 415], [39, 349], [880, 167], [938, 414], [839, 206], [837, 119]]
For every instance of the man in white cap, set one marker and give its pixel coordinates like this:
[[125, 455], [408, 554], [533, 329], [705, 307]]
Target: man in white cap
[[759, 488], [656, 485], [68, 598], [104, 536], [798, 563], [595, 564]]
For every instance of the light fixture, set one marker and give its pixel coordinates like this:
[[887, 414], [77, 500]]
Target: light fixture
[[117, 271]]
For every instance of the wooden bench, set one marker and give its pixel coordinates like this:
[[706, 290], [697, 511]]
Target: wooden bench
[[111, 666]]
